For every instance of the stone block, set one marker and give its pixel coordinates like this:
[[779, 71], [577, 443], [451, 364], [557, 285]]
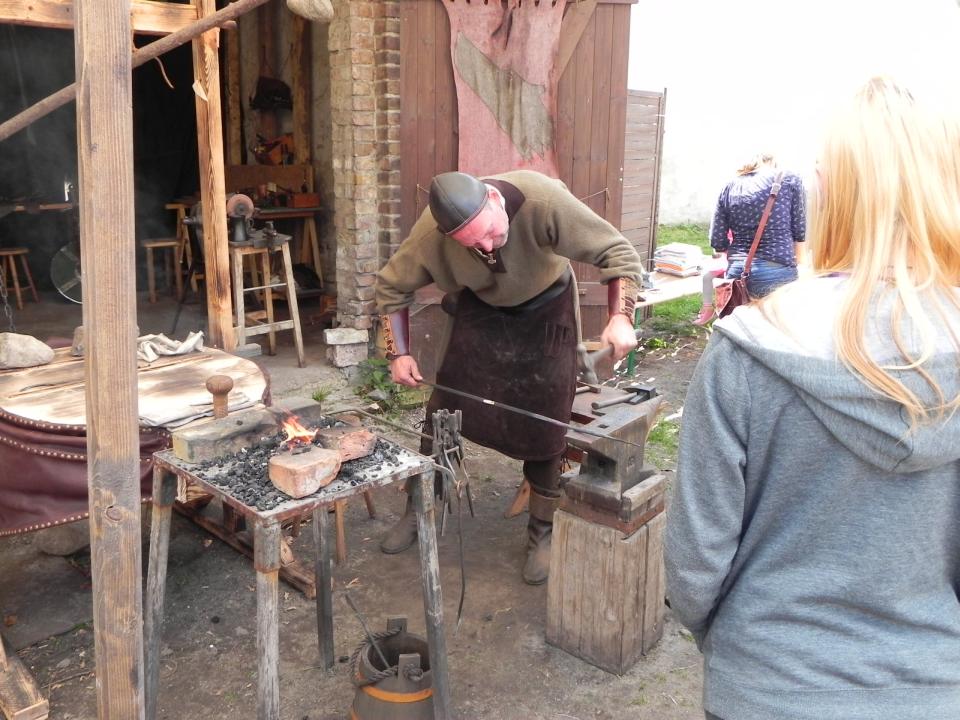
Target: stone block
[[344, 336], [302, 474], [346, 355], [210, 439]]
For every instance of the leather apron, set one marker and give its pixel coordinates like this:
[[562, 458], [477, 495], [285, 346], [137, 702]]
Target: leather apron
[[524, 356]]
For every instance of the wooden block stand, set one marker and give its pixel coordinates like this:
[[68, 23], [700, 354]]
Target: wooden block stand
[[606, 587]]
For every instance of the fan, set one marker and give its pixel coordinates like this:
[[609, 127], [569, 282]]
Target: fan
[[65, 272]]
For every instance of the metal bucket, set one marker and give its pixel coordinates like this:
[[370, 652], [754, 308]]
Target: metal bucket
[[401, 691]]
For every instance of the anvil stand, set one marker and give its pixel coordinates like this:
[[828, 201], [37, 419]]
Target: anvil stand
[[170, 472], [605, 589]]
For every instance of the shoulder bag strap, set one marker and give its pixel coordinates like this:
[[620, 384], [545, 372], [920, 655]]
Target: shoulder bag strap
[[774, 191]]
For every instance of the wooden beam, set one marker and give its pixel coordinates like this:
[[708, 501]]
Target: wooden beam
[[575, 19], [206, 73], [147, 16], [144, 54], [302, 97], [234, 104], [105, 174], [20, 698]]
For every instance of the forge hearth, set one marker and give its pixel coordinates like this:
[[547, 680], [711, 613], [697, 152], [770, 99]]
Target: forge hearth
[[244, 475]]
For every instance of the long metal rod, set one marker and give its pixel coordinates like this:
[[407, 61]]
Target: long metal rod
[[528, 413], [140, 56]]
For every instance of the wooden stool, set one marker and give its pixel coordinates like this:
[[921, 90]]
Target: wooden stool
[[7, 262], [268, 324], [172, 264]]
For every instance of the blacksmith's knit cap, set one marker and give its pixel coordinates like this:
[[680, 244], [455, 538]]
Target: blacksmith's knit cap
[[455, 199]]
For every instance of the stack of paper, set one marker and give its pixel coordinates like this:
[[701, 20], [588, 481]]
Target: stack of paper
[[678, 259]]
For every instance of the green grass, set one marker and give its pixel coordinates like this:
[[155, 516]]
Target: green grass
[[666, 436], [692, 234]]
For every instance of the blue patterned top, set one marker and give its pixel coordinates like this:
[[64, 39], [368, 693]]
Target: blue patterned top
[[740, 207]]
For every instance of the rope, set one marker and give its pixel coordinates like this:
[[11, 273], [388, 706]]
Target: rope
[[377, 675]]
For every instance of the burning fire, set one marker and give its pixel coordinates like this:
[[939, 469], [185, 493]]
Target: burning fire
[[296, 433]]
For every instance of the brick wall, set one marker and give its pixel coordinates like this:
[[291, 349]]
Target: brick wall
[[365, 116]]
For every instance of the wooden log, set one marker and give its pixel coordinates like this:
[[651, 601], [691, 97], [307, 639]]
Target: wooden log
[[350, 442], [106, 210], [20, 698], [206, 73], [302, 474], [164, 493], [605, 591], [266, 560], [432, 597], [324, 575]]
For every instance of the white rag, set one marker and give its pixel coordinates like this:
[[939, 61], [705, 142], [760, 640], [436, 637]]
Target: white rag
[[151, 347]]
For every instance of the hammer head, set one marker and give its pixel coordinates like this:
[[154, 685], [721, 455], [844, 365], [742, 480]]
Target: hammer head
[[585, 363]]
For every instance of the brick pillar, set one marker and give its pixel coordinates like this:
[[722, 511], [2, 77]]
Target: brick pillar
[[387, 30], [355, 158], [365, 118]]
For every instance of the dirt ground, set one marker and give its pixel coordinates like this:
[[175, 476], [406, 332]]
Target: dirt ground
[[501, 667]]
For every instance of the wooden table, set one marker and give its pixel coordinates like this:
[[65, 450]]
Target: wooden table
[[668, 287], [172, 476]]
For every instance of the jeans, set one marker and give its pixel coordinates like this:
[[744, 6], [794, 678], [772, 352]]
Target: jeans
[[711, 716], [765, 276]]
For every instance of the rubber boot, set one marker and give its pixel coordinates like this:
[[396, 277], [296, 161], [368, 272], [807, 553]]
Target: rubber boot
[[539, 533], [403, 534], [705, 316]]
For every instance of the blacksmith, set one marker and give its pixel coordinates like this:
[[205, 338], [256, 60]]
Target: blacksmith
[[500, 248]]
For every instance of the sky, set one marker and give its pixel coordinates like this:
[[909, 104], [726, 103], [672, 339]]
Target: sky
[[746, 75]]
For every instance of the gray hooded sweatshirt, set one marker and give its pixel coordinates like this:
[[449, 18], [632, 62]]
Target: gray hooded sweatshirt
[[813, 541]]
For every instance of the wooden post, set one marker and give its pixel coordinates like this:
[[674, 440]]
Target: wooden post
[[105, 172], [321, 538], [432, 598], [266, 561], [206, 73], [234, 148], [302, 130], [164, 493]]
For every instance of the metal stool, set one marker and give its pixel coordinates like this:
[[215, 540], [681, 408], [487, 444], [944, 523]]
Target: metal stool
[[172, 263], [7, 262]]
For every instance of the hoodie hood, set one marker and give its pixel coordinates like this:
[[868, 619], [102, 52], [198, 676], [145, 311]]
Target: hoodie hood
[[792, 336]]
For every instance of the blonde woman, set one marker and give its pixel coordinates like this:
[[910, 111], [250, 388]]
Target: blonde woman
[[814, 550]]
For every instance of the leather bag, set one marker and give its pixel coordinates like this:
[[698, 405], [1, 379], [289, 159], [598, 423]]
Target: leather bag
[[732, 293]]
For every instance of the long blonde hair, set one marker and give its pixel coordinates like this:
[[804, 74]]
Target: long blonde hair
[[889, 216]]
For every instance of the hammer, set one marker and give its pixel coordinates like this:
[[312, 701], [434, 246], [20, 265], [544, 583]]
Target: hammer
[[587, 361]]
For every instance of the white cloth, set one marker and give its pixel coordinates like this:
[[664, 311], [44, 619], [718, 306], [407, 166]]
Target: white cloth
[[151, 347]]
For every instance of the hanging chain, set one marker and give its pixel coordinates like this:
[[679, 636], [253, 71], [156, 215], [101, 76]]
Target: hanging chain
[[6, 301]]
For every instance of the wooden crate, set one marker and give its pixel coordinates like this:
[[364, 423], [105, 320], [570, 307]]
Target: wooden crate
[[606, 590]]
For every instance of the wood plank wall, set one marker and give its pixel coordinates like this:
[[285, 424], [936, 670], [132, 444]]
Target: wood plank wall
[[592, 102], [641, 169]]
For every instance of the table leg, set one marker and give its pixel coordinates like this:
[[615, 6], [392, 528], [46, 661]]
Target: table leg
[[292, 303], [266, 561], [164, 493], [321, 538], [432, 599]]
